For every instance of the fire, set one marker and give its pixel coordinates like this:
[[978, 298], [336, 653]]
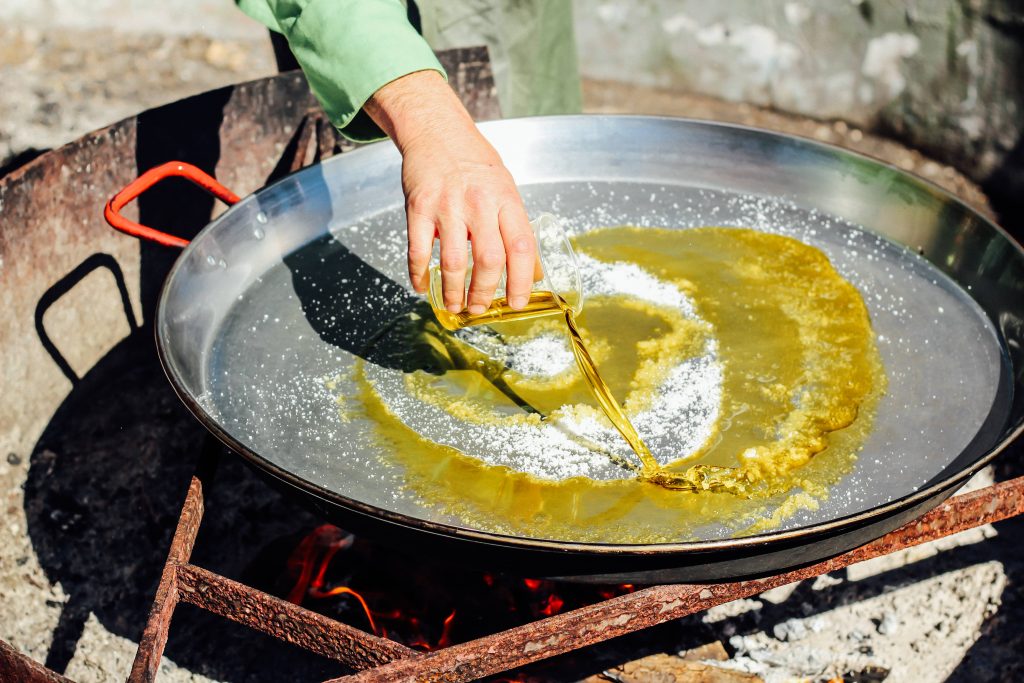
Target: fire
[[444, 641], [316, 549], [547, 602], [414, 600], [609, 592], [345, 590], [309, 563], [552, 605]]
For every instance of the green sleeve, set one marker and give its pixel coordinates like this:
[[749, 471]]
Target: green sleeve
[[348, 49]]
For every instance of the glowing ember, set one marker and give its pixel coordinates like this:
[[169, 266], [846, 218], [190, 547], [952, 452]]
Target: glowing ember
[[552, 605], [316, 551], [415, 602]]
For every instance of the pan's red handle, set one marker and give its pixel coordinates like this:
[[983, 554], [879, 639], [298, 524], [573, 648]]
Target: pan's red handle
[[112, 211]]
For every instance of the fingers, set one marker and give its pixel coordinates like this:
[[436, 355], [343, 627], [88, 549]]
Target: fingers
[[520, 252], [452, 230], [473, 201], [488, 258], [422, 230]]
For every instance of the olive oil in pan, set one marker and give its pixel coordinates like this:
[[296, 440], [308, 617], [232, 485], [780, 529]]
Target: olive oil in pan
[[546, 303], [799, 381]]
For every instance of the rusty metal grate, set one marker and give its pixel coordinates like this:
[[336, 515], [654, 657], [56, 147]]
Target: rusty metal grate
[[380, 659]]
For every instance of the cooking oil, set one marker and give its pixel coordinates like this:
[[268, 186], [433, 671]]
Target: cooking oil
[[542, 304], [800, 380]]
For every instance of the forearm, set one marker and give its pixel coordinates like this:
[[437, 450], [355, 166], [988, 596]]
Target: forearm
[[417, 105]]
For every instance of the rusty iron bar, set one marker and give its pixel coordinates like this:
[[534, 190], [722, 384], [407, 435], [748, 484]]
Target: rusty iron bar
[[185, 582], [154, 637], [18, 668], [648, 607], [307, 145], [286, 621]]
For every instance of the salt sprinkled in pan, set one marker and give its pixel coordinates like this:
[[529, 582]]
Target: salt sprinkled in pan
[[545, 355], [270, 407], [629, 279], [578, 439]]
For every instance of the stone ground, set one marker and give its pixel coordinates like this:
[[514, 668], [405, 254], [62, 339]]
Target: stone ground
[[945, 611]]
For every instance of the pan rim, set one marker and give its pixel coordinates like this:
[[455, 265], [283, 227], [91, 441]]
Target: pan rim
[[853, 520]]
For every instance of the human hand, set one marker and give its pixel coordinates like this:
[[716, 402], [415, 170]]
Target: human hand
[[456, 188]]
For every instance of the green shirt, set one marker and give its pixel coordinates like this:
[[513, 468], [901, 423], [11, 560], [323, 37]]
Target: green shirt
[[348, 49]]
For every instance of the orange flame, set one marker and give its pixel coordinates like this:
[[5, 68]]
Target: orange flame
[[345, 590], [316, 551], [446, 631], [324, 541], [444, 641], [312, 557]]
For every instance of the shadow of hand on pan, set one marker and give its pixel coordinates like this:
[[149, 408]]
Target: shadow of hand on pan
[[349, 303], [355, 307]]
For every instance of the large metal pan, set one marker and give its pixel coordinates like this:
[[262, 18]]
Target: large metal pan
[[286, 286]]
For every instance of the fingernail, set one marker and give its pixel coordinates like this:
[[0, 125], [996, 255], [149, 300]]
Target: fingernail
[[477, 309], [453, 308], [517, 302]]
